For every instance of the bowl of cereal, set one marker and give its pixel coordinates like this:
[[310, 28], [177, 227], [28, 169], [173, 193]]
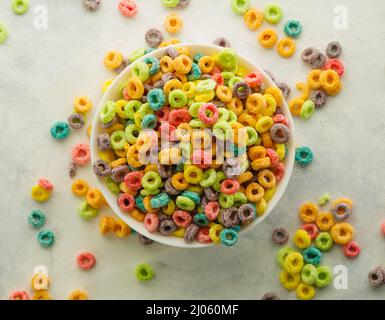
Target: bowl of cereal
[[193, 145]]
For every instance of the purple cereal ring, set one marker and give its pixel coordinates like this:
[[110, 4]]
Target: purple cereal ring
[[92, 5], [118, 173], [279, 133], [104, 141], [284, 87], [167, 227], [241, 90], [109, 124], [318, 61], [158, 85], [170, 189], [210, 194], [144, 240], [101, 168], [246, 213], [123, 65], [271, 76], [72, 169], [341, 211], [76, 121], [164, 171], [308, 54], [222, 42], [191, 232], [377, 277], [204, 202], [334, 50], [229, 217], [172, 53], [167, 77], [231, 168], [154, 37], [319, 98], [280, 235], [270, 296]]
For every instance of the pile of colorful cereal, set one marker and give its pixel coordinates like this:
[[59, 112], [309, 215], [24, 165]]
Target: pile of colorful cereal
[[302, 270], [189, 107]]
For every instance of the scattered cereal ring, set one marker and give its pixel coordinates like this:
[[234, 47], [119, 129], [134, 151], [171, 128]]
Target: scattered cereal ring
[[324, 276], [3, 33], [312, 256], [351, 250], [78, 295], [81, 154], [311, 229], [280, 235], [92, 5], [309, 274], [60, 130], [333, 50], [342, 233], [76, 121], [20, 6], [268, 38], [86, 260], [46, 238], [308, 54], [40, 281], [222, 42], [40, 194], [307, 110], [324, 199], [302, 239], [82, 104], [240, 6], [319, 98], [377, 277], [80, 187], [154, 37], [325, 221], [286, 47], [45, 184], [37, 218], [305, 292], [270, 296], [229, 237], [293, 28], [253, 19], [144, 272], [341, 211], [289, 281], [336, 65], [170, 3], [308, 212], [273, 14], [127, 8], [86, 211], [303, 155], [173, 23], [19, 295], [41, 295]]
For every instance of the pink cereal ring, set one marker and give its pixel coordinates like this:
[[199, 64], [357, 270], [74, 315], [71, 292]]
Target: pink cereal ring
[[182, 218], [133, 180], [81, 154], [208, 113], [229, 186], [279, 171], [151, 222], [218, 78], [201, 159], [212, 210], [351, 250], [215, 71], [254, 79], [274, 160], [19, 295], [127, 8], [167, 132], [178, 116], [45, 184], [126, 202], [203, 236], [280, 118], [383, 228], [86, 260], [163, 114], [311, 229], [336, 65]]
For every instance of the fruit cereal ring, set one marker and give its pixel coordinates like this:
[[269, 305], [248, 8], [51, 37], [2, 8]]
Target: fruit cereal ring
[[241, 90], [282, 254], [246, 213], [312, 256], [167, 227], [40, 194], [80, 187], [46, 238], [76, 121], [324, 276], [173, 23], [101, 168], [86, 211], [293, 28], [303, 155], [311, 229], [119, 173], [229, 237], [325, 221], [41, 295], [81, 154], [222, 42], [86, 260], [229, 218], [351, 250], [268, 38], [305, 292], [273, 14], [342, 233], [284, 87], [127, 8], [279, 133], [106, 224], [289, 281], [307, 110], [333, 50], [302, 239], [280, 235], [341, 211], [37, 218], [309, 274], [229, 186], [19, 295], [45, 184], [336, 65], [253, 19], [126, 202], [318, 60], [286, 47], [295, 106], [144, 272], [78, 295], [270, 296], [240, 6], [20, 6], [144, 240], [329, 80], [92, 5], [293, 263], [319, 98], [60, 130], [377, 277], [154, 37], [308, 54]]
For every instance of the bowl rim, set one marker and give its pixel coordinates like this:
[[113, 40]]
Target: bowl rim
[[139, 226]]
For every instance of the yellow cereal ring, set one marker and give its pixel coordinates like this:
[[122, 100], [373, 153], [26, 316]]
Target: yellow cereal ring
[[342, 233], [247, 119], [245, 177], [106, 224], [39, 282], [295, 106], [179, 233], [253, 19], [261, 207], [262, 163], [267, 142], [304, 89], [325, 221], [173, 23], [254, 192], [302, 239], [95, 198], [121, 230], [118, 162], [206, 64], [82, 104], [313, 79], [308, 212], [268, 38], [214, 232], [305, 292], [179, 182], [171, 85], [113, 59], [225, 94], [256, 152], [80, 187], [266, 179], [293, 262], [40, 194], [269, 194], [256, 104], [135, 88], [41, 295], [276, 93], [137, 214], [235, 105], [286, 47], [329, 80], [169, 209], [289, 281]]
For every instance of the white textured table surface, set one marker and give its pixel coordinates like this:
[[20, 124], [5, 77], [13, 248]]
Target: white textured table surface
[[41, 71]]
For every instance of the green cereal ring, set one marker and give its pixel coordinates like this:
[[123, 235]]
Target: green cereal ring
[[151, 180], [132, 133], [227, 58], [145, 109], [217, 184], [108, 112], [177, 98], [197, 124], [46, 238], [205, 85], [324, 276], [112, 185], [309, 274], [323, 199], [37, 218], [160, 200], [252, 135], [223, 114], [149, 192], [293, 28], [226, 201], [282, 254], [209, 178], [192, 196], [86, 211], [170, 3], [185, 203], [233, 81], [20, 6], [118, 140], [324, 241], [3, 33], [240, 6], [307, 110], [137, 54], [239, 199], [194, 109], [227, 76], [60, 130], [232, 116], [142, 71], [201, 220], [222, 130], [131, 108], [144, 272], [273, 14]]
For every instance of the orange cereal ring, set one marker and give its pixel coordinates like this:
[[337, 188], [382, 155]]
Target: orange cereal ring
[[286, 47], [276, 93], [206, 64], [257, 152], [245, 177], [295, 106], [179, 182], [82, 104], [121, 230], [166, 64], [135, 88], [106, 224], [262, 163], [329, 80], [137, 214], [313, 79], [342, 233], [225, 94], [182, 64], [235, 105], [308, 212], [95, 198], [113, 59], [267, 142], [256, 104], [253, 19], [173, 23], [247, 119], [325, 221], [41, 295], [266, 179], [254, 192], [80, 187], [268, 38]]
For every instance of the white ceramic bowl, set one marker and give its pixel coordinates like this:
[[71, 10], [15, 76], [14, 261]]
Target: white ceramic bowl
[[112, 95]]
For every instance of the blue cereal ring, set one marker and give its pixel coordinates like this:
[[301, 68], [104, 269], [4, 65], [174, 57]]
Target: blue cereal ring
[[60, 130], [303, 156], [160, 200], [312, 256], [37, 218], [197, 57], [154, 65], [46, 238], [156, 99], [201, 220], [195, 73], [149, 121], [139, 203], [193, 196], [293, 28], [229, 237]]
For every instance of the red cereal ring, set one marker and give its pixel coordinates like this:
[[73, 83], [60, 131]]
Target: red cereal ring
[[19, 295], [178, 116], [212, 210], [274, 160], [351, 250], [336, 65], [81, 154], [163, 114], [229, 186], [218, 78], [280, 118], [45, 184], [127, 8], [167, 131], [254, 79], [203, 236], [86, 260], [213, 115], [133, 180], [126, 202], [182, 218], [383, 228], [279, 171], [151, 222], [311, 229], [201, 159]]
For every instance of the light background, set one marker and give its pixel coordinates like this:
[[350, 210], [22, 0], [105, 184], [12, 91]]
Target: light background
[[41, 71]]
